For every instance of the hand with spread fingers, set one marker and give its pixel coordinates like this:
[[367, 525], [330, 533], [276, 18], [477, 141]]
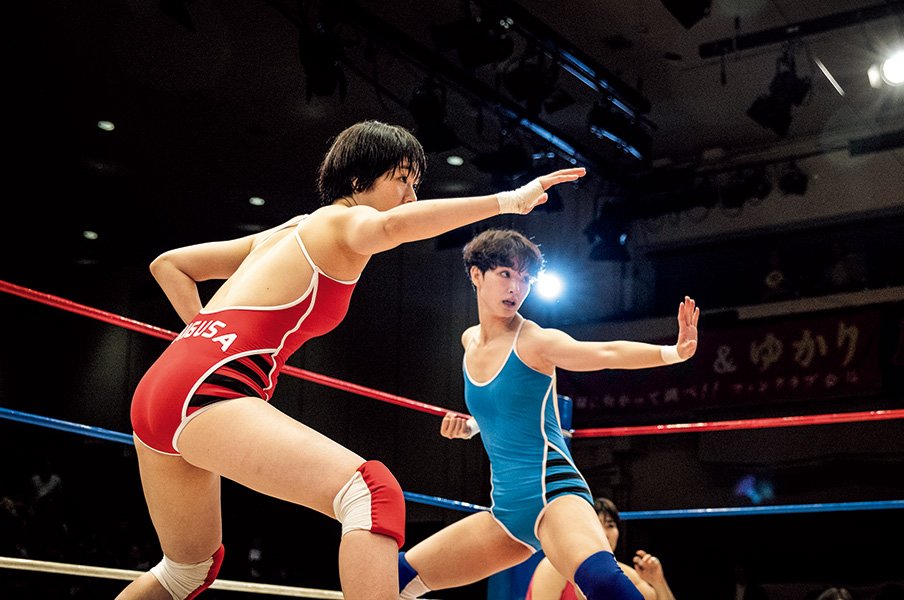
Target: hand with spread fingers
[[688, 317]]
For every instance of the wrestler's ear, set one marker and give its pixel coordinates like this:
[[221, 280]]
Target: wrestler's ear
[[476, 275]]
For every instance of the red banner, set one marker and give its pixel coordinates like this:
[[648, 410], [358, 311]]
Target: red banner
[[793, 359]]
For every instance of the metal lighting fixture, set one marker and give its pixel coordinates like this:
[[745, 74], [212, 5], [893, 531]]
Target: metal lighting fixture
[[628, 134], [773, 110]]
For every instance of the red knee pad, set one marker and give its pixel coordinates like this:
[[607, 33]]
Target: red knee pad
[[372, 500], [186, 581], [387, 504], [212, 573]]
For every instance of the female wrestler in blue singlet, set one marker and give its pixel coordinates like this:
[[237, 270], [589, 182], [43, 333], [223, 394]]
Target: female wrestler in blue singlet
[[540, 499]]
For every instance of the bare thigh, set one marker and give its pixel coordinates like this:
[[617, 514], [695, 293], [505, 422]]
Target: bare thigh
[[466, 551], [569, 532], [256, 445], [184, 504]]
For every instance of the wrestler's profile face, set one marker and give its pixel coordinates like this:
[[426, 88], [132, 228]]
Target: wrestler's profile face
[[394, 188], [610, 527], [502, 288]]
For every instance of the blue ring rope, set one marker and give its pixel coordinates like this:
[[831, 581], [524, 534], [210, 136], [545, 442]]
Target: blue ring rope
[[115, 436]]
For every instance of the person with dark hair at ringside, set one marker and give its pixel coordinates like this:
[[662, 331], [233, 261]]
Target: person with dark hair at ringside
[[539, 498], [646, 573], [835, 593], [201, 412]]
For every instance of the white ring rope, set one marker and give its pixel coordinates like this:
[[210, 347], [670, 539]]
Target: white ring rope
[[124, 574]]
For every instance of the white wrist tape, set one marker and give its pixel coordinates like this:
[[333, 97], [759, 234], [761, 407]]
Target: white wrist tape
[[473, 429], [670, 355], [521, 200]]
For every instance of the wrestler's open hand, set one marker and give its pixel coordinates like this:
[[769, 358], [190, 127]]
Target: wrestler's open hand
[[454, 426], [688, 316], [522, 200]]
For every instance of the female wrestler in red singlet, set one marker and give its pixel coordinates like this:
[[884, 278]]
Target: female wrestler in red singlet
[[201, 412]]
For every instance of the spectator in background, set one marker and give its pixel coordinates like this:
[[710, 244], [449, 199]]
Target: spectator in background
[[835, 593]]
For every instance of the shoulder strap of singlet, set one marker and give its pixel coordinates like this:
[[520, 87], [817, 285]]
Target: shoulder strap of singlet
[[305, 250], [517, 333], [294, 221]]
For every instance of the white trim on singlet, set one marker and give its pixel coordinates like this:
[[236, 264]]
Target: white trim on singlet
[[314, 265], [464, 359]]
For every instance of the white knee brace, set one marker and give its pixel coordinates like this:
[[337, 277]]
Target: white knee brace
[[184, 582]]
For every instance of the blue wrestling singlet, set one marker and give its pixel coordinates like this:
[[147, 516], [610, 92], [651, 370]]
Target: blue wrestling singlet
[[530, 465]]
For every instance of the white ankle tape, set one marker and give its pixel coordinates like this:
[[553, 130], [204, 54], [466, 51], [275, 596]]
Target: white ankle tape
[[414, 589]]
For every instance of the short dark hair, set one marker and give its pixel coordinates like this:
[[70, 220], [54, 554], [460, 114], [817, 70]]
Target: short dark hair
[[604, 506], [502, 248], [362, 153]]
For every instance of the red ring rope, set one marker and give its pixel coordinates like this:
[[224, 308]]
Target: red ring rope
[[159, 332], [762, 423]]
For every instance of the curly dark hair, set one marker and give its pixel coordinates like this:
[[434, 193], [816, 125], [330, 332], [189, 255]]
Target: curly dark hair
[[362, 153], [502, 248]]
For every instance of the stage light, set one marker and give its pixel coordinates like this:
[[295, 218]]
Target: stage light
[[890, 72], [549, 285], [773, 110]]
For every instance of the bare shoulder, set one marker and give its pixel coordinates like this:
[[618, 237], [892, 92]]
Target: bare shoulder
[[468, 334], [532, 343], [533, 334], [339, 222]]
